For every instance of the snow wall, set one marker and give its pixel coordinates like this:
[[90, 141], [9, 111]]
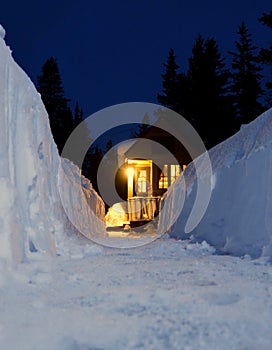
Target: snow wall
[[238, 220], [31, 213]]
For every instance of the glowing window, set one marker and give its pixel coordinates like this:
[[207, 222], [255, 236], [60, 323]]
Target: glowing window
[[169, 174], [175, 172], [163, 182]]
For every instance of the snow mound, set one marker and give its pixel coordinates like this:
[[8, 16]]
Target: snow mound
[[238, 219], [31, 212], [117, 215]]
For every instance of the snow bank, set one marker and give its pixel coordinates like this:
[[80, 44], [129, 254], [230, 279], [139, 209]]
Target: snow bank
[[31, 212], [239, 216]]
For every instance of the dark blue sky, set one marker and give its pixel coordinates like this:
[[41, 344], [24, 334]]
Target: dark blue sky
[[112, 51]]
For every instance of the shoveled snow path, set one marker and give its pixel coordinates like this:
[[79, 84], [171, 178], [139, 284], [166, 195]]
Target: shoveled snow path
[[166, 295]]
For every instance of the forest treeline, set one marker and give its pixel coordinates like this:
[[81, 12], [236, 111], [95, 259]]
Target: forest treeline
[[214, 97]]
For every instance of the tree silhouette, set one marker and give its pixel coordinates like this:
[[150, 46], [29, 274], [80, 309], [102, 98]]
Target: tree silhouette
[[169, 98], [78, 115], [246, 87], [209, 103], [50, 86], [202, 94]]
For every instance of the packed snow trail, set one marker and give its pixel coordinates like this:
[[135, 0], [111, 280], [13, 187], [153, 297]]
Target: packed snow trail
[[168, 295]]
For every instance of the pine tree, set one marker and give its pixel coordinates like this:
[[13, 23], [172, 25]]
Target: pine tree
[[169, 98], [209, 105], [219, 112], [78, 115], [201, 95], [266, 55], [176, 88], [50, 86], [246, 87]]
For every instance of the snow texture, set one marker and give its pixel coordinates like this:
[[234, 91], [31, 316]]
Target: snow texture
[[168, 295], [238, 219], [31, 213]]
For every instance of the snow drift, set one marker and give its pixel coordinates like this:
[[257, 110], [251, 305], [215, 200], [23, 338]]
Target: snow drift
[[31, 212], [239, 216]]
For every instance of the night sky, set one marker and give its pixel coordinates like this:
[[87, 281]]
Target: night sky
[[112, 51]]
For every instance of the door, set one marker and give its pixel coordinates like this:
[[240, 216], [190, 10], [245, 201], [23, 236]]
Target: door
[[139, 178]]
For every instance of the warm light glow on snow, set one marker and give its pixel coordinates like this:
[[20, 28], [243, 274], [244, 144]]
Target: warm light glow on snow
[[117, 215]]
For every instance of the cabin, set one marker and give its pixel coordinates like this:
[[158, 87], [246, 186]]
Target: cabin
[[150, 164]]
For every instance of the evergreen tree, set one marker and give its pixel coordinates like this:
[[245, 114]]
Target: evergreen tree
[[175, 87], [201, 95], [209, 102], [78, 115], [266, 55], [246, 87], [50, 86], [169, 98]]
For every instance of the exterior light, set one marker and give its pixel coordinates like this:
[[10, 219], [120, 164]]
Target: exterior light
[[130, 172]]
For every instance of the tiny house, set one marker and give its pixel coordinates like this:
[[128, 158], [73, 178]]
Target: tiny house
[[150, 165]]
